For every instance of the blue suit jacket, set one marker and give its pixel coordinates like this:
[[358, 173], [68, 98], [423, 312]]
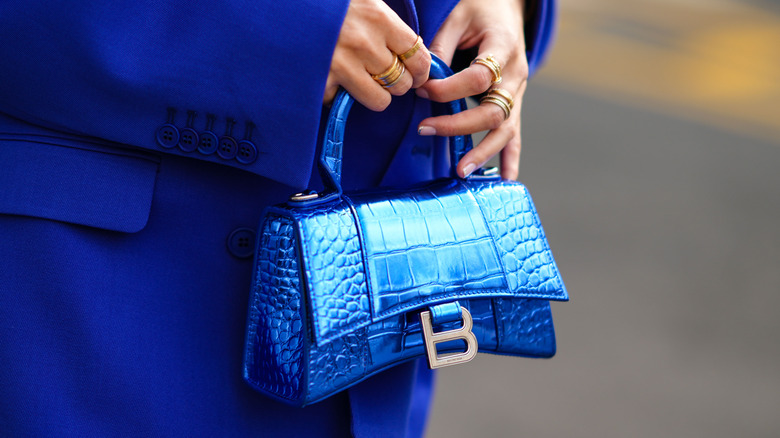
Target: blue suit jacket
[[139, 143]]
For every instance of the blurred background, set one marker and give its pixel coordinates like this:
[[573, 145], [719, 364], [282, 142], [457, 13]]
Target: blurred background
[[651, 145]]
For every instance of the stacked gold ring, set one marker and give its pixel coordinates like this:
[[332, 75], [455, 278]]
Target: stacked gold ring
[[409, 53], [392, 75], [500, 97], [491, 63]]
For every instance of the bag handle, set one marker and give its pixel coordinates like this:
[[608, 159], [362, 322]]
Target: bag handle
[[330, 159]]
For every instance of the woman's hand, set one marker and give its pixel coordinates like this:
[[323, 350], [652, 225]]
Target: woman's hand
[[370, 39], [496, 28]]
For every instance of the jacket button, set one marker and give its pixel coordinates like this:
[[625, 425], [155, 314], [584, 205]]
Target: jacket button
[[188, 140], [208, 143], [241, 243], [247, 152], [167, 136], [228, 148]]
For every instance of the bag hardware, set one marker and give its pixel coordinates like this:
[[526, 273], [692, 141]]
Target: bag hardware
[[431, 339]]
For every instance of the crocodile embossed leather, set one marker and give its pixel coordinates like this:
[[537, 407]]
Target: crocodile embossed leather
[[347, 285]]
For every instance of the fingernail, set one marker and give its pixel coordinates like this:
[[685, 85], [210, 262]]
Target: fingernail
[[426, 130], [467, 169], [422, 92]]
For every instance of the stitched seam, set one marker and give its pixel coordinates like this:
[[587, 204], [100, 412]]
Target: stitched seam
[[448, 285], [459, 294]]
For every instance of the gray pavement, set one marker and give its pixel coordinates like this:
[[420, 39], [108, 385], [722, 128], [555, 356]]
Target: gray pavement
[[667, 234]]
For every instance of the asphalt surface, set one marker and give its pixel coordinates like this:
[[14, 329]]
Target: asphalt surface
[[664, 217]]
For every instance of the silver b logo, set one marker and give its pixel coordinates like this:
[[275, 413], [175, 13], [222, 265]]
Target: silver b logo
[[431, 339]]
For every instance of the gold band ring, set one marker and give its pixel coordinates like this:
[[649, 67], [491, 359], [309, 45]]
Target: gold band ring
[[493, 65], [501, 103], [394, 80], [503, 93], [409, 53], [392, 75]]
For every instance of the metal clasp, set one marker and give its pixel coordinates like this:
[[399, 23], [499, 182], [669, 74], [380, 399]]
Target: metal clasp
[[488, 173], [431, 339], [304, 196]]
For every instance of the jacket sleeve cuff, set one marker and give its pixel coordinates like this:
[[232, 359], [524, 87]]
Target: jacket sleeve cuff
[[148, 77]]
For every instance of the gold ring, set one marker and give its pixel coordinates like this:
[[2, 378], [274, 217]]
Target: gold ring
[[503, 93], [409, 53], [392, 75], [501, 103], [493, 65], [394, 80]]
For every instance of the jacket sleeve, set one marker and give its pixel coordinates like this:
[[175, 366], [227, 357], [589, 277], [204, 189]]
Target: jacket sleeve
[[139, 72]]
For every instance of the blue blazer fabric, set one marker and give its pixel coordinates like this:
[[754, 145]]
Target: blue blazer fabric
[[124, 267]]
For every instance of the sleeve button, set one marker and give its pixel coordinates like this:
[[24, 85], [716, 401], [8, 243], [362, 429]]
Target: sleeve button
[[247, 152], [208, 143], [167, 136], [188, 140], [228, 148]]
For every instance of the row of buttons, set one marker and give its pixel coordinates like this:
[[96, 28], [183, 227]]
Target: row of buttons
[[206, 142]]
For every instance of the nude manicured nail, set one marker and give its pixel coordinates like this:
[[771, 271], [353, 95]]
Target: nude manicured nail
[[468, 169], [422, 93], [426, 130]]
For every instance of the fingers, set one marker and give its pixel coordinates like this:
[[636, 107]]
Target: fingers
[[369, 93], [510, 158], [492, 144], [469, 82], [415, 57], [497, 32], [504, 139], [401, 39], [481, 118], [395, 79], [403, 85], [413, 65], [365, 60], [487, 116], [477, 77]]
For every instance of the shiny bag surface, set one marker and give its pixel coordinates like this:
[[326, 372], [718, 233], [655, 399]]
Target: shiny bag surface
[[346, 285]]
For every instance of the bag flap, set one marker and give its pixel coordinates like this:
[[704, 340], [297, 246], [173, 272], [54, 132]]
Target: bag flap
[[379, 254]]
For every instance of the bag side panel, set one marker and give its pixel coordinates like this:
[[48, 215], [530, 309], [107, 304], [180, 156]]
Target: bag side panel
[[338, 364], [273, 357]]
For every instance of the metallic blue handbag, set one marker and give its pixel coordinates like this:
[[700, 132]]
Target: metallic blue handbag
[[347, 285]]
